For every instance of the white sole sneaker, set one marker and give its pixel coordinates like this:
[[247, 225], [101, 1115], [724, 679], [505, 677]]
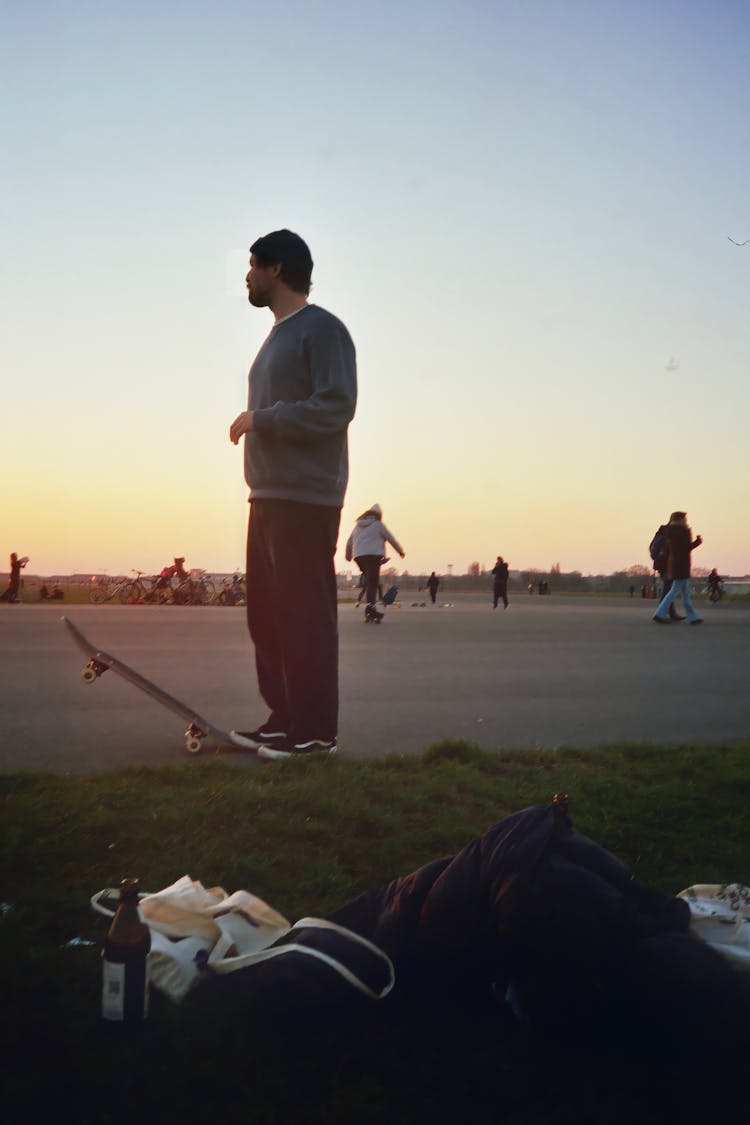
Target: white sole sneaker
[[253, 740], [299, 750]]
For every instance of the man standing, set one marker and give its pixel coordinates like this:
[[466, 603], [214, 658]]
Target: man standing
[[433, 583], [500, 584], [302, 396], [10, 594]]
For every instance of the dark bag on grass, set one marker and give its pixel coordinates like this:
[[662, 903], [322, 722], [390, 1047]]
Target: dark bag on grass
[[559, 930], [317, 968]]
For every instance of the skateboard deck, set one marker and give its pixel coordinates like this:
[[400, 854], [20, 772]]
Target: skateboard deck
[[199, 729]]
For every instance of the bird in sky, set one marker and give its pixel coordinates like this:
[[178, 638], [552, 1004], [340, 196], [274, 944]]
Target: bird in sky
[[738, 243]]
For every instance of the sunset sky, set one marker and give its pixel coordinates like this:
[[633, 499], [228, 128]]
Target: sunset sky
[[521, 211]]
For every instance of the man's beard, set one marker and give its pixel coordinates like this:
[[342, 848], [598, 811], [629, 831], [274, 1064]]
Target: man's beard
[[258, 300]]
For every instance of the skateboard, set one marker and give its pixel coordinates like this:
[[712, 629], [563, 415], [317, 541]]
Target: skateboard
[[198, 730]]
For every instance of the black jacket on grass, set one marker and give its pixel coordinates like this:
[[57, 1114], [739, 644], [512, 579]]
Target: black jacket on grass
[[535, 919], [559, 930]]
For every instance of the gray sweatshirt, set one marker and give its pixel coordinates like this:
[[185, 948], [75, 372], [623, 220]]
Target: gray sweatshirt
[[369, 537], [303, 392]]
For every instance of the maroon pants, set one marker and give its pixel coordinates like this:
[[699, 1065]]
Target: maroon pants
[[292, 614]]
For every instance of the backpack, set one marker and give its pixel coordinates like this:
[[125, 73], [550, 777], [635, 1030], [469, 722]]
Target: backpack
[[657, 548]]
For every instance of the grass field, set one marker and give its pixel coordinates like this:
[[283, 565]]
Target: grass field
[[307, 837]]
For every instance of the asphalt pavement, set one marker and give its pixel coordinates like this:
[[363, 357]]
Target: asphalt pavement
[[547, 672]]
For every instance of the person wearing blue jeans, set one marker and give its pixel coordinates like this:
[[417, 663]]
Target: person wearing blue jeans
[[658, 552], [680, 544]]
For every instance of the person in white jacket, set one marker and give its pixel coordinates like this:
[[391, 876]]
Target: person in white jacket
[[366, 545]]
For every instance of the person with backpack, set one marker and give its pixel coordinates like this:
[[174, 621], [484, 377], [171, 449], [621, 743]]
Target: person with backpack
[[657, 549], [680, 543]]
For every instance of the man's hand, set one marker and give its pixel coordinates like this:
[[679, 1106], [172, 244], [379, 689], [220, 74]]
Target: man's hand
[[242, 424]]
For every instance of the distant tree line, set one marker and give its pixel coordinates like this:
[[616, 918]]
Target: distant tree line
[[554, 580]]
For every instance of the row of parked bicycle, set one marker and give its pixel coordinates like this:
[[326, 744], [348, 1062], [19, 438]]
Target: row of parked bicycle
[[168, 589]]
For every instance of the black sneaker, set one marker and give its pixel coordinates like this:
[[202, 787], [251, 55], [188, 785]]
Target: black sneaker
[[697, 621], [298, 749], [255, 739]]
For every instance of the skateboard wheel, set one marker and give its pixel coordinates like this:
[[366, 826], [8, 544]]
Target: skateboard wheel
[[88, 675], [193, 744]]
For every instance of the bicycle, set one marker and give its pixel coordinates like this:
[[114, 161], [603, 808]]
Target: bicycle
[[101, 588], [125, 590], [194, 591], [136, 591], [106, 590], [232, 592]]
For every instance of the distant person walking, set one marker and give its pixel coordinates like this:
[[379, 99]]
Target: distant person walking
[[680, 544], [500, 583], [302, 396], [10, 594], [433, 584], [366, 545], [657, 549]]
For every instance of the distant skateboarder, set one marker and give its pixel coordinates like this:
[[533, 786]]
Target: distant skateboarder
[[500, 583], [366, 545]]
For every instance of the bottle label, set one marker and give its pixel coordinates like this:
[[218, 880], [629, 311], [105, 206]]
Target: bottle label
[[125, 991], [113, 991]]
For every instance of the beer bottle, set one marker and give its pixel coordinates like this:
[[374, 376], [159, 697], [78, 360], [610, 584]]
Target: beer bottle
[[125, 977]]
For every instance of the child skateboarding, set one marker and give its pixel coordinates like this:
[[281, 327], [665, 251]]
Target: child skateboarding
[[366, 545]]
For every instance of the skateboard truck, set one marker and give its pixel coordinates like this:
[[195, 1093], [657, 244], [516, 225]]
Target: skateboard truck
[[93, 670], [194, 738], [194, 735]]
